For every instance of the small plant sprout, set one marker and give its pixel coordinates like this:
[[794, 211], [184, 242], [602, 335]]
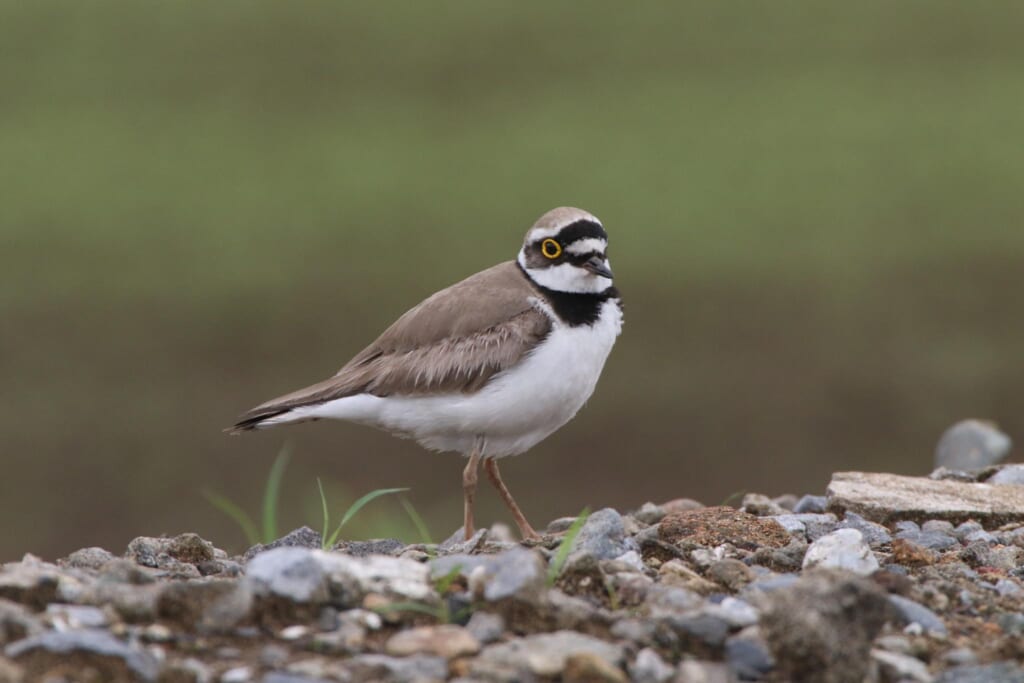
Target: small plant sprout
[[442, 611], [327, 542], [417, 521], [271, 493], [565, 547]]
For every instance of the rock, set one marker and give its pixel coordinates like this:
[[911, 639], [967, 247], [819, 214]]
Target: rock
[[842, 549], [649, 667], [697, 671], [291, 573], [1008, 475], [703, 632], [602, 537], [1001, 672], [378, 546], [900, 667], [285, 677], [910, 554], [414, 669], [586, 667], [821, 628], [887, 498], [87, 558], [731, 574], [518, 573], [457, 544], [761, 505], [815, 504], [971, 445], [543, 654], [735, 612], [486, 627], [189, 670], [303, 537], [649, 513], [810, 526], [714, 526], [876, 535], [208, 606], [676, 573], [113, 659], [446, 640], [352, 578], [180, 556], [932, 539], [747, 655], [10, 672], [30, 582], [65, 617], [911, 612], [16, 622]]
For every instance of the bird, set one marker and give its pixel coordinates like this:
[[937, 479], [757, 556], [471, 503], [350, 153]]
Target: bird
[[487, 367]]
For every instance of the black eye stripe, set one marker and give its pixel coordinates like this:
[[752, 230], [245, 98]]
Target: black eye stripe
[[579, 230]]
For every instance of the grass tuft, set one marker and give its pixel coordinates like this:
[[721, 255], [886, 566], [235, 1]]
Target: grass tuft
[[271, 494], [565, 547], [327, 542]]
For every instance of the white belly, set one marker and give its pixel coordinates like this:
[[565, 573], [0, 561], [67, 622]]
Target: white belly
[[516, 410]]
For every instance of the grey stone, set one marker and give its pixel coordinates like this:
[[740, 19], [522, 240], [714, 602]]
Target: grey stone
[[603, 537], [748, 656], [209, 606], [649, 513], [77, 616], [705, 629], [378, 546], [876, 535], [16, 622], [761, 505], [544, 654], [458, 544], [808, 525], [31, 582], [485, 626], [967, 528], [972, 445], [699, 671], [911, 612], [842, 549], [1009, 475], [285, 677], [649, 667], [303, 537], [374, 667], [821, 628], [940, 526], [292, 573], [98, 646], [735, 612], [635, 630], [666, 601], [982, 536], [810, 504], [518, 572], [354, 577], [960, 655], [1007, 587], [188, 670], [87, 558], [931, 538], [895, 666], [887, 498], [1001, 672]]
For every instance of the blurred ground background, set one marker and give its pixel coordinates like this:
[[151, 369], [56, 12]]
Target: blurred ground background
[[816, 213]]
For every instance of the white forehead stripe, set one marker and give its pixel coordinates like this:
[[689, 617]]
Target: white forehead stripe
[[587, 246]]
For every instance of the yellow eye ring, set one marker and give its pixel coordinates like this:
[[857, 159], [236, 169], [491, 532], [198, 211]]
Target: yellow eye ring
[[551, 248]]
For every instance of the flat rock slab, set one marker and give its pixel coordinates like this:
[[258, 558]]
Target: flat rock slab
[[888, 498]]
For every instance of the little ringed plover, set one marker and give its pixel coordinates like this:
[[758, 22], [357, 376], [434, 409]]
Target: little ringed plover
[[488, 367]]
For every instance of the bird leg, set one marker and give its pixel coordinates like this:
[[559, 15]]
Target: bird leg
[[491, 467], [469, 486]]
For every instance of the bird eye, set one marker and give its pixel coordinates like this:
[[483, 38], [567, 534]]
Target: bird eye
[[551, 248]]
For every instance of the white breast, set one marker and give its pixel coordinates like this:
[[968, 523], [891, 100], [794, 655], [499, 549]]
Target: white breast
[[516, 410]]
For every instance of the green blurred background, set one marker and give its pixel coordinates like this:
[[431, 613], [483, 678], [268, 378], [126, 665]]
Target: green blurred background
[[816, 213]]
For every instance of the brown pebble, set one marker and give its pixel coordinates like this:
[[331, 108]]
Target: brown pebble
[[714, 526], [910, 554], [586, 667]]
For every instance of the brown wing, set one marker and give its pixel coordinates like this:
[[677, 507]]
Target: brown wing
[[454, 341]]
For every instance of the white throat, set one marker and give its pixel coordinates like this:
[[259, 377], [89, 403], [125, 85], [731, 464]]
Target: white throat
[[566, 277]]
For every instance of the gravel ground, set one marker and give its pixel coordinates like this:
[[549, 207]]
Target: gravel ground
[[884, 578]]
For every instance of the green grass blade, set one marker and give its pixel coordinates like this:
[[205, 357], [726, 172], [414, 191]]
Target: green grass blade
[[436, 612], [327, 516], [356, 507], [272, 492], [240, 516], [566, 546], [417, 520]]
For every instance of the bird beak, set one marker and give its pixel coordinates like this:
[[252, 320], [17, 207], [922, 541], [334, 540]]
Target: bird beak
[[598, 266]]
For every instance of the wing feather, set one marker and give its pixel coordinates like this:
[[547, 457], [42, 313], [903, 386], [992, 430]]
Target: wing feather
[[455, 341]]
